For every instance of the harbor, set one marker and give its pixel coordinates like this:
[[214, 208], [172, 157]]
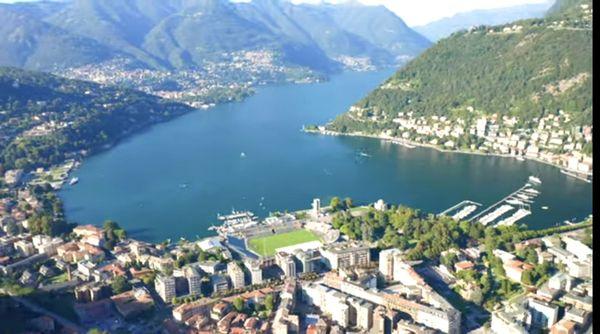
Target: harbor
[[505, 212]]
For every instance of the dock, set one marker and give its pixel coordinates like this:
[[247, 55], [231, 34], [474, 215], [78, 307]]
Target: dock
[[521, 199], [456, 206]]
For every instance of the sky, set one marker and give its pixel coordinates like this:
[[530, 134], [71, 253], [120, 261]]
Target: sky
[[419, 12]]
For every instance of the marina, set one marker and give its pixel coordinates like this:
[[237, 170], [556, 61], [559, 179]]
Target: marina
[[507, 211]]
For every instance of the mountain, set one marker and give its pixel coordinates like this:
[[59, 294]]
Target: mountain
[[27, 41], [526, 69], [442, 28], [46, 119], [175, 34]]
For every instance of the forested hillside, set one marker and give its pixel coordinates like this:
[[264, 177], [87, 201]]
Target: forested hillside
[[45, 119], [525, 69]]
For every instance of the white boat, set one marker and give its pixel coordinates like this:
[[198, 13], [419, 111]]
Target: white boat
[[242, 155], [544, 207], [74, 181], [514, 201], [532, 191], [535, 179], [520, 158]]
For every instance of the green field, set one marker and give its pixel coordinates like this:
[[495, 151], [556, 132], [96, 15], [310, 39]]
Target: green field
[[267, 245]]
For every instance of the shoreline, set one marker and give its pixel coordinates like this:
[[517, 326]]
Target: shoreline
[[442, 150]]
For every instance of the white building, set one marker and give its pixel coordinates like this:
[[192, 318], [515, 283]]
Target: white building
[[236, 274], [386, 262], [165, 287], [541, 314]]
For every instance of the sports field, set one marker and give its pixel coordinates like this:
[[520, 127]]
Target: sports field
[[267, 245]]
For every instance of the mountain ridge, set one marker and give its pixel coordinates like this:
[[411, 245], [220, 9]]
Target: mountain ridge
[[174, 34]]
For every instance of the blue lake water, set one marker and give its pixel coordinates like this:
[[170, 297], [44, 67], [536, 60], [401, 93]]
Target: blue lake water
[[172, 180]]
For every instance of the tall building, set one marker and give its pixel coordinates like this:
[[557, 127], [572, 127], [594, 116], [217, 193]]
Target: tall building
[[236, 274], [286, 262], [165, 287], [346, 255], [386, 262], [316, 208], [308, 259], [194, 280], [255, 271], [541, 314]]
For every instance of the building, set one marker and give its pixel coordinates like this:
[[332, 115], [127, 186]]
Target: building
[[514, 269], [506, 323], [386, 262], [577, 248], [13, 177], [308, 259], [194, 280], [165, 287], [219, 283], [236, 274], [90, 234], [316, 208], [463, 265], [255, 271], [563, 327], [286, 262], [380, 205], [541, 314], [133, 302], [346, 255]]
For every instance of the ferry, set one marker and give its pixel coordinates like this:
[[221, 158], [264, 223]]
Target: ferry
[[74, 181], [535, 179]]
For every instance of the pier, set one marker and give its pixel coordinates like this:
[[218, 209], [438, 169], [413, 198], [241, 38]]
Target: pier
[[465, 203], [520, 198]]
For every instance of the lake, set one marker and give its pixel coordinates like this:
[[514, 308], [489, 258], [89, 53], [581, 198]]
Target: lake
[[172, 180]]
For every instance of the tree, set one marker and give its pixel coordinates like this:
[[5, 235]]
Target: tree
[[335, 204], [527, 277], [238, 304], [120, 285], [269, 303], [348, 204]]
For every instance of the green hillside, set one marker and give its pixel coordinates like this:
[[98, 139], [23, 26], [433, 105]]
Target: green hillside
[[526, 69], [45, 119]]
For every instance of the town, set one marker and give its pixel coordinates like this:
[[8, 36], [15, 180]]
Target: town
[[229, 78], [289, 273], [548, 139]]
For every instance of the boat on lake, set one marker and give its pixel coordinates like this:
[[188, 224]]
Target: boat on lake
[[74, 181], [535, 179]]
